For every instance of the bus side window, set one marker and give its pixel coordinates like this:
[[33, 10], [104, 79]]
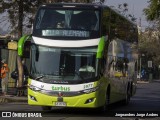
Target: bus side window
[[111, 68], [122, 66], [119, 65]]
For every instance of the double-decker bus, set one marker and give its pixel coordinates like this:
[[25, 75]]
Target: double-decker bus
[[81, 55]]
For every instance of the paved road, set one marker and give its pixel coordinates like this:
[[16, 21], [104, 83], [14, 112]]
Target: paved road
[[146, 100]]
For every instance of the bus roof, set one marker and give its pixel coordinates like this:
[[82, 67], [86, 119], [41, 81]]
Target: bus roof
[[73, 5], [116, 11], [84, 6]]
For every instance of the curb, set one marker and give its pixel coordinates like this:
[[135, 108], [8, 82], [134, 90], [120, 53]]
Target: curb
[[7, 99], [143, 82], [3, 100]]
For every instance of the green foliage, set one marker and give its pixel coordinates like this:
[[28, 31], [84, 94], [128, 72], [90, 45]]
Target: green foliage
[[149, 44], [150, 41], [20, 13], [152, 12], [123, 9]]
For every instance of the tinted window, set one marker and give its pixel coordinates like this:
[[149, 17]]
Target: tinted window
[[67, 23]]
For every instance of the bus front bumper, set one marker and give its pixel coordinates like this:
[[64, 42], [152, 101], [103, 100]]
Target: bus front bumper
[[90, 100]]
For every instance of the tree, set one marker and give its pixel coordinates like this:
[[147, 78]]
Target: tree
[[149, 44], [20, 13], [4, 36], [20, 16], [150, 41], [152, 12], [123, 9]]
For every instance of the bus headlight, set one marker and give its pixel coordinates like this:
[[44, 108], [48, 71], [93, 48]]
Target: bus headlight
[[34, 88], [91, 90]]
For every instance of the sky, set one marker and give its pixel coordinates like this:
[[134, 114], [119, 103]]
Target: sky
[[135, 8]]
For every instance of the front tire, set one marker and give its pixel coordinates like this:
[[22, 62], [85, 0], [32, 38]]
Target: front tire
[[46, 108], [105, 107], [127, 97]]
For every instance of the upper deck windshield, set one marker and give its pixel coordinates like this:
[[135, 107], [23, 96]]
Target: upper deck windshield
[[63, 64], [70, 23]]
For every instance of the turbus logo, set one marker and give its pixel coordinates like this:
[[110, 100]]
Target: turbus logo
[[60, 94], [60, 88]]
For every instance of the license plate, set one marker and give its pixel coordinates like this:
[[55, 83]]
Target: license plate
[[60, 104]]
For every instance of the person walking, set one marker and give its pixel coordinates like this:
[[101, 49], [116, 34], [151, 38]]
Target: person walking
[[4, 76], [143, 74]]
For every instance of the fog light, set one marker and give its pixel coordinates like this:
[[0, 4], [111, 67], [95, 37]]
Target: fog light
[[89, 100], [32, 98]]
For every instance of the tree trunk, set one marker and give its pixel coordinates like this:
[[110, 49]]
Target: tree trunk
[[20, 71], [20, 31]]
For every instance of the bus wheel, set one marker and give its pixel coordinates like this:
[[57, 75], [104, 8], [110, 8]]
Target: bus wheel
[[127, 97], [46, 108], [105, 107]]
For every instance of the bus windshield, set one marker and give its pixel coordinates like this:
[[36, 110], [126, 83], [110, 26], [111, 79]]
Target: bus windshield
[[68, 23], [63, 63]]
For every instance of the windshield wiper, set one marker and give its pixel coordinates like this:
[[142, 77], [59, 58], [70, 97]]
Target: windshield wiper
[[39, 77]]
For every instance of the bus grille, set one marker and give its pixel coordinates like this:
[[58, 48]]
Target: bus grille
[[63, 94]]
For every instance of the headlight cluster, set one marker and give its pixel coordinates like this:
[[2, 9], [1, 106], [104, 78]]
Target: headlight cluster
[[34, 88], [91, 90]]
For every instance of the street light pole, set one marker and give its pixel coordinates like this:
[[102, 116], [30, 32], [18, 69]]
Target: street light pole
[[140, 64]]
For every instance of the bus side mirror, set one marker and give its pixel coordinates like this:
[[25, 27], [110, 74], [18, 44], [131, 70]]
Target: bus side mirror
[[103, 64], [37, 54]]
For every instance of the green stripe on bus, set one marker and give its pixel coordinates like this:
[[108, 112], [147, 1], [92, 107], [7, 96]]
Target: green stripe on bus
[[100, 47], [21, 43]]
